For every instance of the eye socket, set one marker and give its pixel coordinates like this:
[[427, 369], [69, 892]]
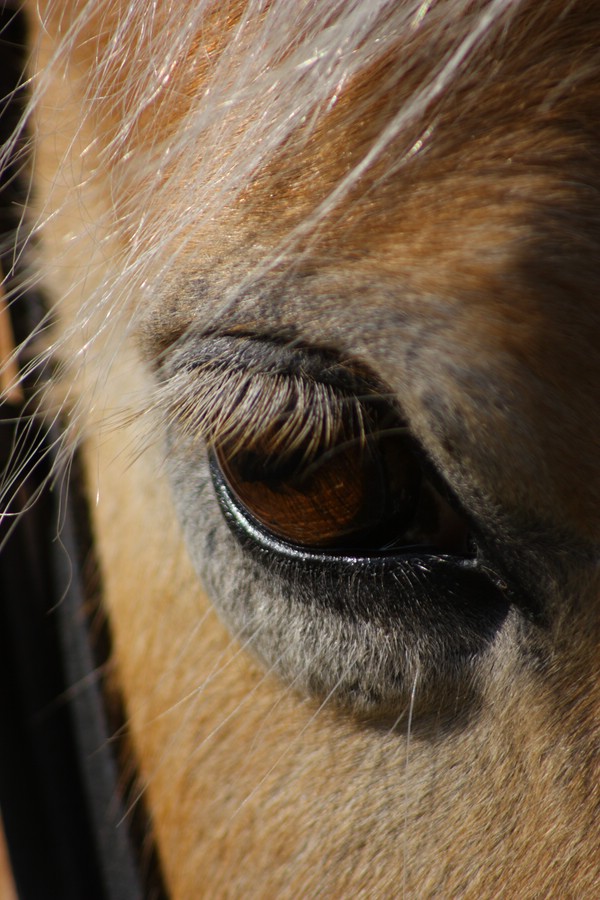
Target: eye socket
[[365, 490]]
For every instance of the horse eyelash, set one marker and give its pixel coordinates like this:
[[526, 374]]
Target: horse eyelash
[[216, 406]]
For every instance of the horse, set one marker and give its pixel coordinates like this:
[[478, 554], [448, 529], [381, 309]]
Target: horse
[[320, 327]]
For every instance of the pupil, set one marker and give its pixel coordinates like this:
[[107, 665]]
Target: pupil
[[265, 467]]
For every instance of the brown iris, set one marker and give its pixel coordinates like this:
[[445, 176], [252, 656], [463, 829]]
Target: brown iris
[[361, 491]]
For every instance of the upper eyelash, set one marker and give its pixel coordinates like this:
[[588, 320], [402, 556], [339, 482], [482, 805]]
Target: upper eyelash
[[218, 399]]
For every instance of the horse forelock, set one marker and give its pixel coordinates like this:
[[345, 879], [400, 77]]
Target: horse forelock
[[191, 121]]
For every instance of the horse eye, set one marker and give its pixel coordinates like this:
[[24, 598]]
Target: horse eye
[[366, 491]]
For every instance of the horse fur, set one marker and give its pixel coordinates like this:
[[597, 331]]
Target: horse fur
[[414, 186]]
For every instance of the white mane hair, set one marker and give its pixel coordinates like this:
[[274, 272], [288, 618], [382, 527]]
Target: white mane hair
[[281, 68]]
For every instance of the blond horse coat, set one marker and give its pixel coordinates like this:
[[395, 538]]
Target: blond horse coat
[[404, 196]]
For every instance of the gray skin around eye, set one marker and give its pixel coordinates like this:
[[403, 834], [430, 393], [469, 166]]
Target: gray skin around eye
[[313, 625]]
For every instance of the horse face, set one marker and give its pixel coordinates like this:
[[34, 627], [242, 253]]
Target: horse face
[[417, 297], [351, 256]]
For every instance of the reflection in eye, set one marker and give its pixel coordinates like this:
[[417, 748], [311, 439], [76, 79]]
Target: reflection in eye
[[366, 491]]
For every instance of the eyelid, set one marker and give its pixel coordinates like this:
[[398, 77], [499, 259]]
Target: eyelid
[[233, 389], [257, 356]]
